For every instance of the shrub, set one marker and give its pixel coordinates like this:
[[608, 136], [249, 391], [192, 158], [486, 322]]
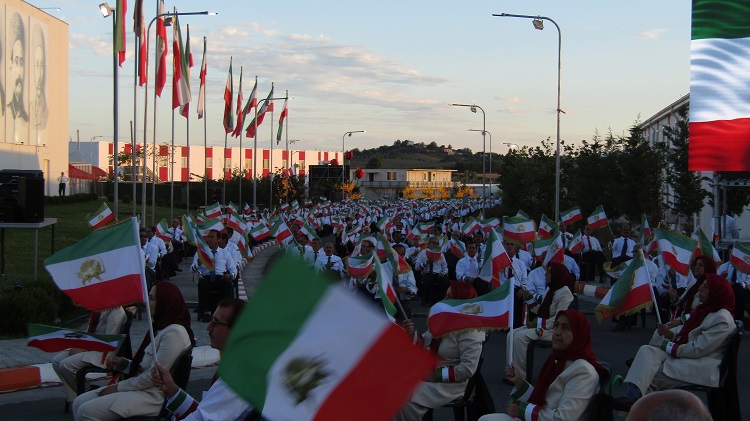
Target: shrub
[[125, 198], [37, 302]]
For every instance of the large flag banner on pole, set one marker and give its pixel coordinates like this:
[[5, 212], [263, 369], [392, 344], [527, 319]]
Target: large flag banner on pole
[[161, 51], [719, 86], [103, 270], [631, 293], [181, 77], [202, 90], [56, 339], [120, 42], [228, 90], [309, 362], [487, 312]]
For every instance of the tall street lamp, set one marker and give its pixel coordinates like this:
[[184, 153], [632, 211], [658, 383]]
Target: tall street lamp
[[473, 108], [538, 23], [343, 160], [490, 168]]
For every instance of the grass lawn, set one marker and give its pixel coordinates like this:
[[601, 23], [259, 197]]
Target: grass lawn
[[70, 228]]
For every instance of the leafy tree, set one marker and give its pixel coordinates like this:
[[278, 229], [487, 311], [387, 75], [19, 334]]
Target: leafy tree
[[689, 194], [375, 162]]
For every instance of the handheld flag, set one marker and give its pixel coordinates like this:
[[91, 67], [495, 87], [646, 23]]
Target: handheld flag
[[101, 217], [487, 312], [676, 250], [598, 219], [631, 292], [519, 229], [57, 339], [495, 259], [571, 215]]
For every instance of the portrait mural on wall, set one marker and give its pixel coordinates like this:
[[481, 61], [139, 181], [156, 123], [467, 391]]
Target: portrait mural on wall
[[16, 113], [23, 78], [38, 110]]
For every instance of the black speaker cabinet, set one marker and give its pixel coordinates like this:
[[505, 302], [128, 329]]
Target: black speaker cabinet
[[31, 199]]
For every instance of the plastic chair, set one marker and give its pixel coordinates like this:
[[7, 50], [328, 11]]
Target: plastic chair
[[124, 351], [462, 406], [724, 401], [600, 407]]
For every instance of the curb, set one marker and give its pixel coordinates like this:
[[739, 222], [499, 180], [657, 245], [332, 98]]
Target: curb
[[27, 377], [591, 290]]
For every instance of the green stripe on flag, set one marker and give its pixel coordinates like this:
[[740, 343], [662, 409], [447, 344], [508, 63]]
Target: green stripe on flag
[[725, 19], [250, 348], [100, 241]]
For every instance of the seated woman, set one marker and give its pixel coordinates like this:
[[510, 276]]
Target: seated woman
[[688, 301], [137, 396], [687, 354], [567, 382], [459, 353], [557, 297]]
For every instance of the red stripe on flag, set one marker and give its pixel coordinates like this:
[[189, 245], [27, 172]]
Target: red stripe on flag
[[443, 323], [636, 297], [379, 374], [113, 293], [61, 344], [722, 145]]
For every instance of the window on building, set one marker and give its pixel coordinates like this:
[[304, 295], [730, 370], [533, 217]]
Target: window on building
[[390, 175], [248, 164], [184, 161], [163, 161], [228, 163], [301, 166], [209, 162], [283, 163], [265, 164]]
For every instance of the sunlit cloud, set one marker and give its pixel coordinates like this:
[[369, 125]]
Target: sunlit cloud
[[652, 33]]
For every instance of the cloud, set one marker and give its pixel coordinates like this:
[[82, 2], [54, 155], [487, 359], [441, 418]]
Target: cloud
[[511, 99], [652, 33], [86, 42]]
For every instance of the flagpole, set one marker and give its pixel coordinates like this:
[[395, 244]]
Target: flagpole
[[187, 124], [511, 322], [270, 167], [224, 160], [255, 160], [134, 126], [171, 178], [205, 136], [144, 287], [145, 122], [650, 287], [286, 132], [242, 169]]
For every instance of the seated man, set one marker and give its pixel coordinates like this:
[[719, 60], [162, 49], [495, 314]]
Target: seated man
[[330, 263], [219, 402], [431, 262], [67, 363], [219, 278]]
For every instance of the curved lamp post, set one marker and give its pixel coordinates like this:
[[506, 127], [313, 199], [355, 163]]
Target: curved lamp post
[[473, 108], [538, 23], [343, 160]]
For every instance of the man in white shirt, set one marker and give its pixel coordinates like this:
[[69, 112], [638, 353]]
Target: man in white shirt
[[740, 285], [592, 258], [163, 262], [516, 273], [330, 263], [622, 248], [150, 256], [467, 269], [220, 278], [434, 271], [317, 247], [405, 284]]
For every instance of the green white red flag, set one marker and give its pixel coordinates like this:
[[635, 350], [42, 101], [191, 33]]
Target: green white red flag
[[556, 250], [57, 339], [180, 77], [234, 222], [495, 259], [398, 263], [238, 126], [280, 230], [457, 248], [228, 93], [202, 90], [190, 230], [208, 225], [576, 244], [103, 270], [359, 267], [139, 29], [676, 250], [309, 362], [719, 86], [213, 211], [252, 128], [282, 117], [541, 247], [101, 217], [469, 226], [645, 229], [571, 215], [740, 257], [251, 102], [385, 287], [704, 246], [205, 254], [260, 232], [161, 50], [631, 293], [519, 229], [598, 218], [490, 224], [546, 227], [487, 312], [162, 231], [121, 11]]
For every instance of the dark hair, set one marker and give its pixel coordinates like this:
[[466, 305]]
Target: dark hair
[[225, 236], [236, 305], [218, 234]]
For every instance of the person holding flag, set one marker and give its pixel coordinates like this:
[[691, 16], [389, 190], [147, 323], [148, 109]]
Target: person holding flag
[[690, 354], [623, 248], [216, 274], [434, 270], [568, 380], [557, 297], [67, 363], [137, 396], [459, 352]]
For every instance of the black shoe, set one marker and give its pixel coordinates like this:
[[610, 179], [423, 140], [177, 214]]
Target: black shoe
[[622, 403]]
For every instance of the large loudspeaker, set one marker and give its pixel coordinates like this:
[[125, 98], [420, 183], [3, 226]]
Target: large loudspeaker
[[31, 199], [21, 196]]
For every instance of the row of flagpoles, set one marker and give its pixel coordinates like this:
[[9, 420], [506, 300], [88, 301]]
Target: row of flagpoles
[[181, 98]]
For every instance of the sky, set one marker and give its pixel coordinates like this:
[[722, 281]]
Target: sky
[[393, 68]]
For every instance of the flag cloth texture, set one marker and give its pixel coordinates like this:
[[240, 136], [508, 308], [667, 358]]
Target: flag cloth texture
[[57, 339], [630, 294], [676, 250], [309, 362], [228, 89], [519, 229], [161, 51], [546, 227], [495, 259], [282, 117], [180, 76], [598, 219], [202, 90], [103, 270], [487, 312], [719, 86], [101, 217], [571, 215], [740, 257], [121, 10]]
